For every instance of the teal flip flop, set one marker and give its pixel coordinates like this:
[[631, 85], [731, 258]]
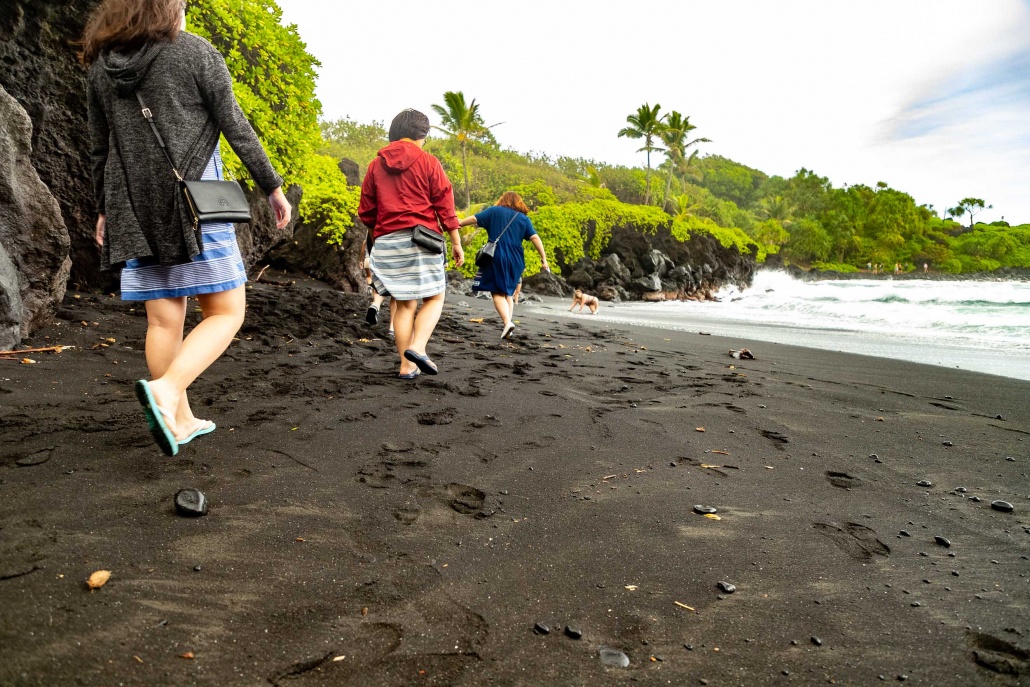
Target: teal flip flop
[[156, 419], [199, 433]]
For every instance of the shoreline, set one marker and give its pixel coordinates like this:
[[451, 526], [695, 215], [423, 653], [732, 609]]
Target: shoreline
[[420, 530]]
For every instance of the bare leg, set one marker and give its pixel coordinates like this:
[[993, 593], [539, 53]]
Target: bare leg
[[403, 331], [593, 308], [166, 318], [393, 311], [377, 300], [425, 323], [223, 317], [502, 304]]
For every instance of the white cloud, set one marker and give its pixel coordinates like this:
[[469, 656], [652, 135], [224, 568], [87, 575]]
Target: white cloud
[[777, 86]]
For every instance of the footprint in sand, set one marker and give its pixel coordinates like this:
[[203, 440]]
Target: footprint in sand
[[465, 499], [858, 541], [998, 655], [843, 480], [409, 513]]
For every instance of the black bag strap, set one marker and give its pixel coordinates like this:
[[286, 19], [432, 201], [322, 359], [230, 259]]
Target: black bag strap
[[507, 225], [149, 116]]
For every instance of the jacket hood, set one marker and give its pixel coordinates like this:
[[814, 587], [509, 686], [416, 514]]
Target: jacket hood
[[127, 70], [399, 156]]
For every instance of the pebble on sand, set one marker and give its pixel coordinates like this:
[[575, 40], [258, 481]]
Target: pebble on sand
[[942, 541], [573, 632], [611, 657], [726, 587], [191, 503], [817, 641], [541, 629], [1002, 506], [705, 510], [924, 483]]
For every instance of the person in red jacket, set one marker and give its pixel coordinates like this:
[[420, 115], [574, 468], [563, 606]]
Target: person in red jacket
[[405, 199]]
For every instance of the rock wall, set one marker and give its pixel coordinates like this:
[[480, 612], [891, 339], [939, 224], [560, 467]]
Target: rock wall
[[637, 266], [261, 235], [40, 69], [10, 302], [33, 236]]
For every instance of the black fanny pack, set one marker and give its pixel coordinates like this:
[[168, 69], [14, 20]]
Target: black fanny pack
[[430, 240], [207, 200]]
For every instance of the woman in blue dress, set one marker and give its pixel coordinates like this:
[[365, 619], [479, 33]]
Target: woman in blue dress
[[507, 222]]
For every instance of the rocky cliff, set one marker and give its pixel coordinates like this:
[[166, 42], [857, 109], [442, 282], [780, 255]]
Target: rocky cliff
[[34, 262], [638, 266]]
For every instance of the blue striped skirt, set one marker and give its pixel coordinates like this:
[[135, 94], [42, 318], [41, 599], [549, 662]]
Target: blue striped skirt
[[218, 268], [403, 270]]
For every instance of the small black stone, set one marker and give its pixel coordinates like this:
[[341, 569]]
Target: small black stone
[[905, 533], [961, 490], [672, 464], [1010, 459], [688, 647], [1002, 506], [705, 510], [573, 632], [785, 672], [196, 568], [817, 641], [975, 499], [916, 604], [541, 629], [948, 443], [794, 642], [924, 483], [954, 573], [902, 678], [873, 456], [191, 503], [726, 587], [942, 541]]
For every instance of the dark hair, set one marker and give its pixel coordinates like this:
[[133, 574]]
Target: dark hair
[[127, 25], [409, 124], [510, 199]]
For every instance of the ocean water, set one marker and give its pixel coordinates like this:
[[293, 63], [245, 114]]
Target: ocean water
[[972, 325]]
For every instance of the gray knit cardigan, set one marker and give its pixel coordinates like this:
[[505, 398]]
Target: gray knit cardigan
[[187, 86]]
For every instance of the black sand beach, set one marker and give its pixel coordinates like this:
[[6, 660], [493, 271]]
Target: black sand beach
[[364, 530]]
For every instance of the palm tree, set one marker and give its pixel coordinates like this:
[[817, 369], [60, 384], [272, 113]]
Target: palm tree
[[674, 135], [461, 122], [648, 125]]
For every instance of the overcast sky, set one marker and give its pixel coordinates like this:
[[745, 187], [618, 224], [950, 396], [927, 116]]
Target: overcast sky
[[930, 96]]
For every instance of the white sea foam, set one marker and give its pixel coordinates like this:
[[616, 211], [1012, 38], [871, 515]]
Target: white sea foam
[[975, 325]]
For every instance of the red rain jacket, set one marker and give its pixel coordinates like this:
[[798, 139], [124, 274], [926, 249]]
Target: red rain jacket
[[406, 186]]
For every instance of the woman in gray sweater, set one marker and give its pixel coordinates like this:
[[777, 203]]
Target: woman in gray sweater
[[141, 46]]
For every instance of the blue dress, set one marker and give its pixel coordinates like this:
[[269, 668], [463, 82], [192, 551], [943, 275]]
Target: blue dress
[[504, 273]]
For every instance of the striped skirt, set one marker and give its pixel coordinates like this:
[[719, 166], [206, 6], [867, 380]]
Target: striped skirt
[[403, 270], [218, 268]]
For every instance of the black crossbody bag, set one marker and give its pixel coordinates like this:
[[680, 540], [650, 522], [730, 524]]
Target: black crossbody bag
[[208, 200], [432, 241], [485, 255]]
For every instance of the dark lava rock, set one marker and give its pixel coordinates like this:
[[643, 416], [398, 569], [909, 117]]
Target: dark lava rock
[[916, 604], [705, 510], [726, 587], [948, 443], [905, 533], [817, 641], [942, 541], [924, 483], [1002, 506], [688, 647], [573, 632], [541, 629], [611, 657], [191, 503], [975, 499], [961, 490]]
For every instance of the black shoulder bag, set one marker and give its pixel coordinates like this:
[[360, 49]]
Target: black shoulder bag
[[485, 255], [208, 200]]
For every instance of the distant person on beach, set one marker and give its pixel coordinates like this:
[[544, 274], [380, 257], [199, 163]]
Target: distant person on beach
[[405, 199], [508, 224], [926, 268], [140, 49], [579, 298]]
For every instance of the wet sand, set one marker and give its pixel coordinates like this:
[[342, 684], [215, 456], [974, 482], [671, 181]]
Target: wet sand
[[365, 530]]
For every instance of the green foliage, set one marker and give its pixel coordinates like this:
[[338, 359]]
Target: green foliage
[[327, 200], [683, 227], [345, 138], [835, 267], [729, 180], [273, 78]]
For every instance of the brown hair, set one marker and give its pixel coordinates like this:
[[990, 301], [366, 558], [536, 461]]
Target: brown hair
[[126, 25], [510, 199]]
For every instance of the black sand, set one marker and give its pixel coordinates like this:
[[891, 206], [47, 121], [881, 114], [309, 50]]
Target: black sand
[[420, 530]]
